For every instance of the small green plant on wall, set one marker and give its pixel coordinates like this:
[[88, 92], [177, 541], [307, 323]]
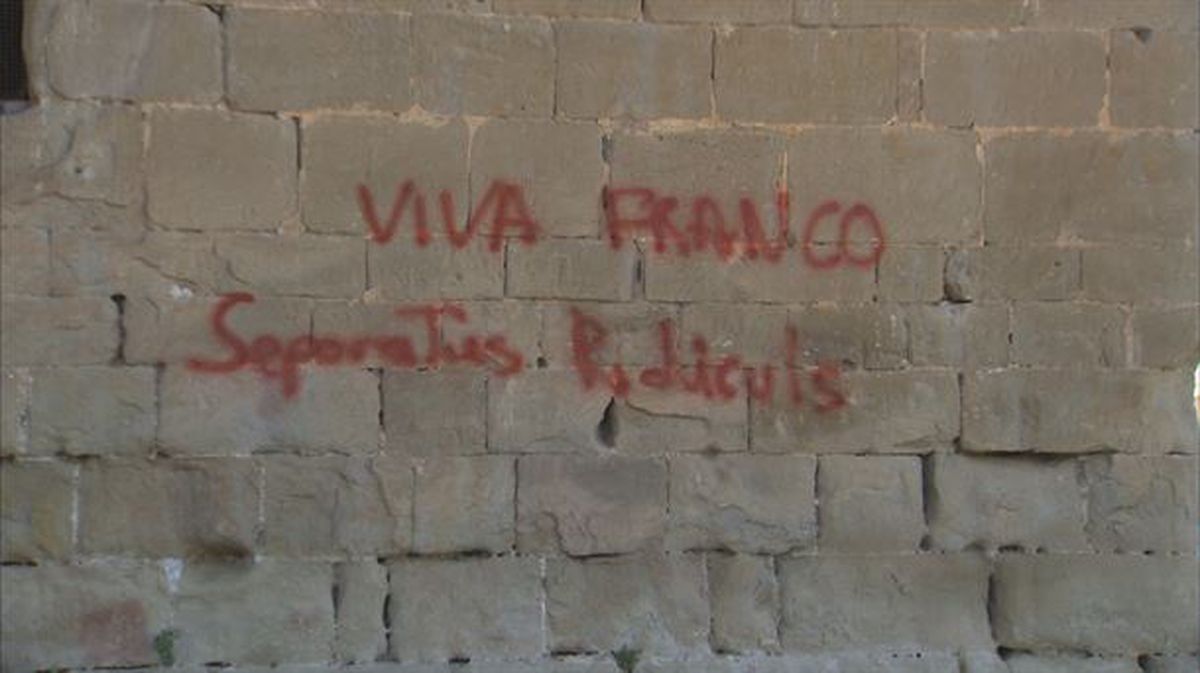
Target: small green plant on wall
[[626, 658]]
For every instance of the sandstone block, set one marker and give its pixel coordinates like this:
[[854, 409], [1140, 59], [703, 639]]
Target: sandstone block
[[658, 422], [755, 333], [1032, 663], [24, 262], [168, 508], [36, 502], [936, 14], [911, 274], [399, 271], [870, 336], [289, 604], [1019, 90], [777, 74], [1022, 273], [465, 608], [134, 49], [464, 504], [93, 410], [362, 588], [745, 603], [16, 387], [434, 413], [870, 504], [597, 9], [654, 604], [715, 11], [1167, 338], [1169, 276], [639, 70], [483, 66], [585, 505], [1165, 14], [632, 331], [543, 410], [1142, 503], [570, 269], [1102, 604], [906, 603], [1064, 411], [1170, 663], [213, 170], [970, 336], [747, 503], [670, 278], [335, 410], [1154, 80], [333, 505], [59, 331], [1058, 334], [297, 60], [310, 266]]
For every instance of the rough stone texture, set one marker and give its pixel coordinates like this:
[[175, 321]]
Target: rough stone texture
[[911, 274], [401, 272], [216, 171], [497, 66], [308, 266], [1167, 276], [216, 601], [1142, 504], [994, 502], [600, 9], [1154, 80], [870, 504], [36, 501], [655, 604], [1164, 14], [656, 422], [745, 503], [1082, 335], [637, 70], [134, 49], [24, 262], [867, 336], [929, 13], [442, 610], [112, 411], [65, 331], [1074, 411], [344, 506], [970, 336], [578, 269], [1180, 663], [1103, 604], [903, 603], [673, 279], [1010, 272], [744, 596], [298, 60], [57, 616], [585, 505], [464, 504], [1002, 79], [541, 411], [1167, 338], [434, 413], [716, 11], [16, 387], [169, 508], [779, 74], [1029, 663], [362, 589]]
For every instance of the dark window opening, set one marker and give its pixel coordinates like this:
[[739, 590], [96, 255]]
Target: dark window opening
[[14, 80]]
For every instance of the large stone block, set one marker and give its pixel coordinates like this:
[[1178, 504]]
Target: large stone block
[[483, 65], [585, 505], [747, 503], [59, 331], [289, 605], [56, 616], [870, 336], [298, 60], [36, 505], [1182, 15], [1001, 79], [598, 9], [904, 603], [631, 337], [464, 504], [399, 271], [1142, 503], [1058, 334], [543, 410], [1154, 78], [361, 593], [434, 413], [1102, 604], [935, 14], [308, 266], [16, 389], [455, 609], [570, 269], [318, 506], [777, 74], [1064, 411], [24, 262], [1167, 338], [653, 604], [870, 503], [745, 603], [93, 411], [134, 49], [217, 170], [1159, 276], [638, 70], [716, 11], [912, 274], [994, 502], [654, 422], [1033, 663], [1009, 272], [971, 336], [670, 278]]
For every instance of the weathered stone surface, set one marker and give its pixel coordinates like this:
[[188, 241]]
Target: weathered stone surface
[[1001, 79], [1063, 411], [1167, 338], [970, 336], [1091, 186], [906, 603], [670, 278], [632, 337], [1102, 604], [1165, 14], [1085, 335], [401, 272], [933, 14], [723, 166], [59, 331], [134, 49], [296, 60], [543, 410], [214, 170], [1154, 79], [465, 608], [885, 412], [464, 504], [659, 422], [638, 70], [36, 503], [289, 604], [755, 333], [1032, 663], [1142, 503], [777, 74], [747, 503], [586, 504], [1168, 276], [16, 389], [434, 413], [1009, 272], [334, 505], [994, 502], [177, 327], [335, 410], [911, 274], [474, 65], [24, 262], [1169, 663], [869, 336], [599, 9], [308, 266], [716, 11], [57, 616], [745, 603], [570, 268], [93, 411], [870, 504], [362, 589], [655, 604]]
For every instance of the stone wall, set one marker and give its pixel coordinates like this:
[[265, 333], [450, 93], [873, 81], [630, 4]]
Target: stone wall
[[528, 336]]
